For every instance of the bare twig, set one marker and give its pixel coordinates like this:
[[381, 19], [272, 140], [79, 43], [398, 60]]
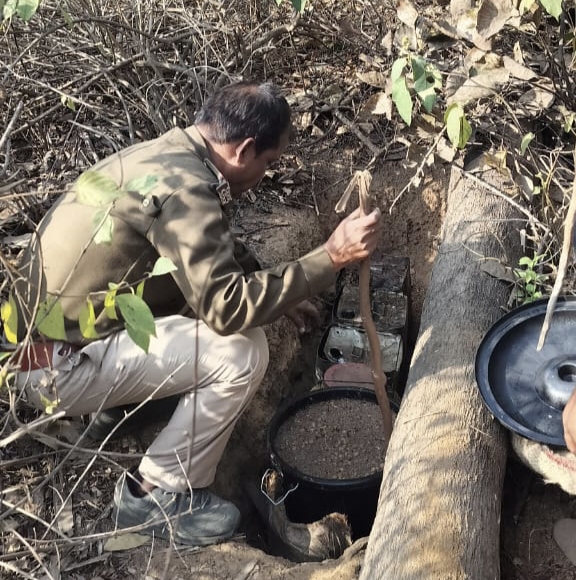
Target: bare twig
[[531, 218], [376, 151], [11, 124], [566, 248], [419, 169]]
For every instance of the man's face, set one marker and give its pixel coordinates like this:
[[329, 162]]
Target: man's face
[[250, 168]]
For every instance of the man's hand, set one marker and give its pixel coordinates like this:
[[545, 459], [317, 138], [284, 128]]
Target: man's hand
[[569, 422], [355, 238], [302, 315]]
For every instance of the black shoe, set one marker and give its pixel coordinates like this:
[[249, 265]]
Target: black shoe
[[148, 414], [198, 518]]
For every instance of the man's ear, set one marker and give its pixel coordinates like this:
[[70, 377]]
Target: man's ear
[[245, 150]]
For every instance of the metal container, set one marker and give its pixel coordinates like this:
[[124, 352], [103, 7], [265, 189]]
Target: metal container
[[341, 344]]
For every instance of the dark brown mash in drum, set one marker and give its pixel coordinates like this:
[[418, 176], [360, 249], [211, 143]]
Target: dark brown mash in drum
[[335, 439]]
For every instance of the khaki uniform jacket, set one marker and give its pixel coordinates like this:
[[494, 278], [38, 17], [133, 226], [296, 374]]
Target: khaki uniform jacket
[[181, 218]]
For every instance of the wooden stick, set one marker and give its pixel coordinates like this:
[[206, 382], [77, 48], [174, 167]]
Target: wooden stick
[[566, 247], [364, 179]]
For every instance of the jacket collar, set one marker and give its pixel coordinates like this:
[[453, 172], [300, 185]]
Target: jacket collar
[[201, 149]]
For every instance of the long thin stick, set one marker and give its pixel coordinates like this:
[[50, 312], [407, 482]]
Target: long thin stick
[[11, 124], [566, 247], [364, 179]]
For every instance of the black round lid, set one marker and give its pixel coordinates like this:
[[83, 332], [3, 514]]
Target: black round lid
[[526, 389]]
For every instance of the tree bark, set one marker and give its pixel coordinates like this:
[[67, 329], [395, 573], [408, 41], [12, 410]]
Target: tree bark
[[439, 509]]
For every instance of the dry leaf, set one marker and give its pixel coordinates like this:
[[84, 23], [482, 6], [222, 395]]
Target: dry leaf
[[473, 56], [125, 542], [482, 85], [518, 56], [424, 134], [347, 29], [300, 101], [383, 105], [454, 81], [371, 61], [493, 15], [526, 185], [305, 120], [445, 151], [316, 131], [495, 160], [407, 13], [534, 101], [386, 43], [8, 525], [496, 269], [406, 37], [518, 70], [459, 7], [373, 78], [465, 27]]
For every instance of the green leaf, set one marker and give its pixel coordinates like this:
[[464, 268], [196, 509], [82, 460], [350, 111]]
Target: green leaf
[[525, 261], [9, 9], [139, 337], [428, 98], [143, 185], [418, 67], [398, 68], [299, 5], [402, 99], [50, 319], [457, 127], [95, 189], [104, 227], [68, 102], [425, 90], [553, 7], [526, 140], [110, 304], [434, 76], [66, 16], [9, 315], [27, 8], [140, 289], [525, 6], [163, 266], [138, 319], [87, 320], [49, 405], [136, 313]]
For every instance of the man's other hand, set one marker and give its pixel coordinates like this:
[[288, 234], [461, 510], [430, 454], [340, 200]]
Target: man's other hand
[[303, 315]]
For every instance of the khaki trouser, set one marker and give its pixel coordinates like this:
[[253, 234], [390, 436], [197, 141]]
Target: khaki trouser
[[216, 375]]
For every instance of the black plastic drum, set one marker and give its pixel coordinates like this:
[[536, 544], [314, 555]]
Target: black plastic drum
[[527, 389]]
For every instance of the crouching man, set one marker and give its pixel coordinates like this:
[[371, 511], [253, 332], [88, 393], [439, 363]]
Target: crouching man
[[209, 347]]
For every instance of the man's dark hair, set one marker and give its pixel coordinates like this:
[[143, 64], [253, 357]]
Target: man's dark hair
[[246, 109]]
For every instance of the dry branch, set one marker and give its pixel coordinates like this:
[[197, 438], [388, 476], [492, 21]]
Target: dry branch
[[566, 249]]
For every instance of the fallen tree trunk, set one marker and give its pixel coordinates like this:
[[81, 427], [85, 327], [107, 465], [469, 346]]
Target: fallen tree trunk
[[439, 509]]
